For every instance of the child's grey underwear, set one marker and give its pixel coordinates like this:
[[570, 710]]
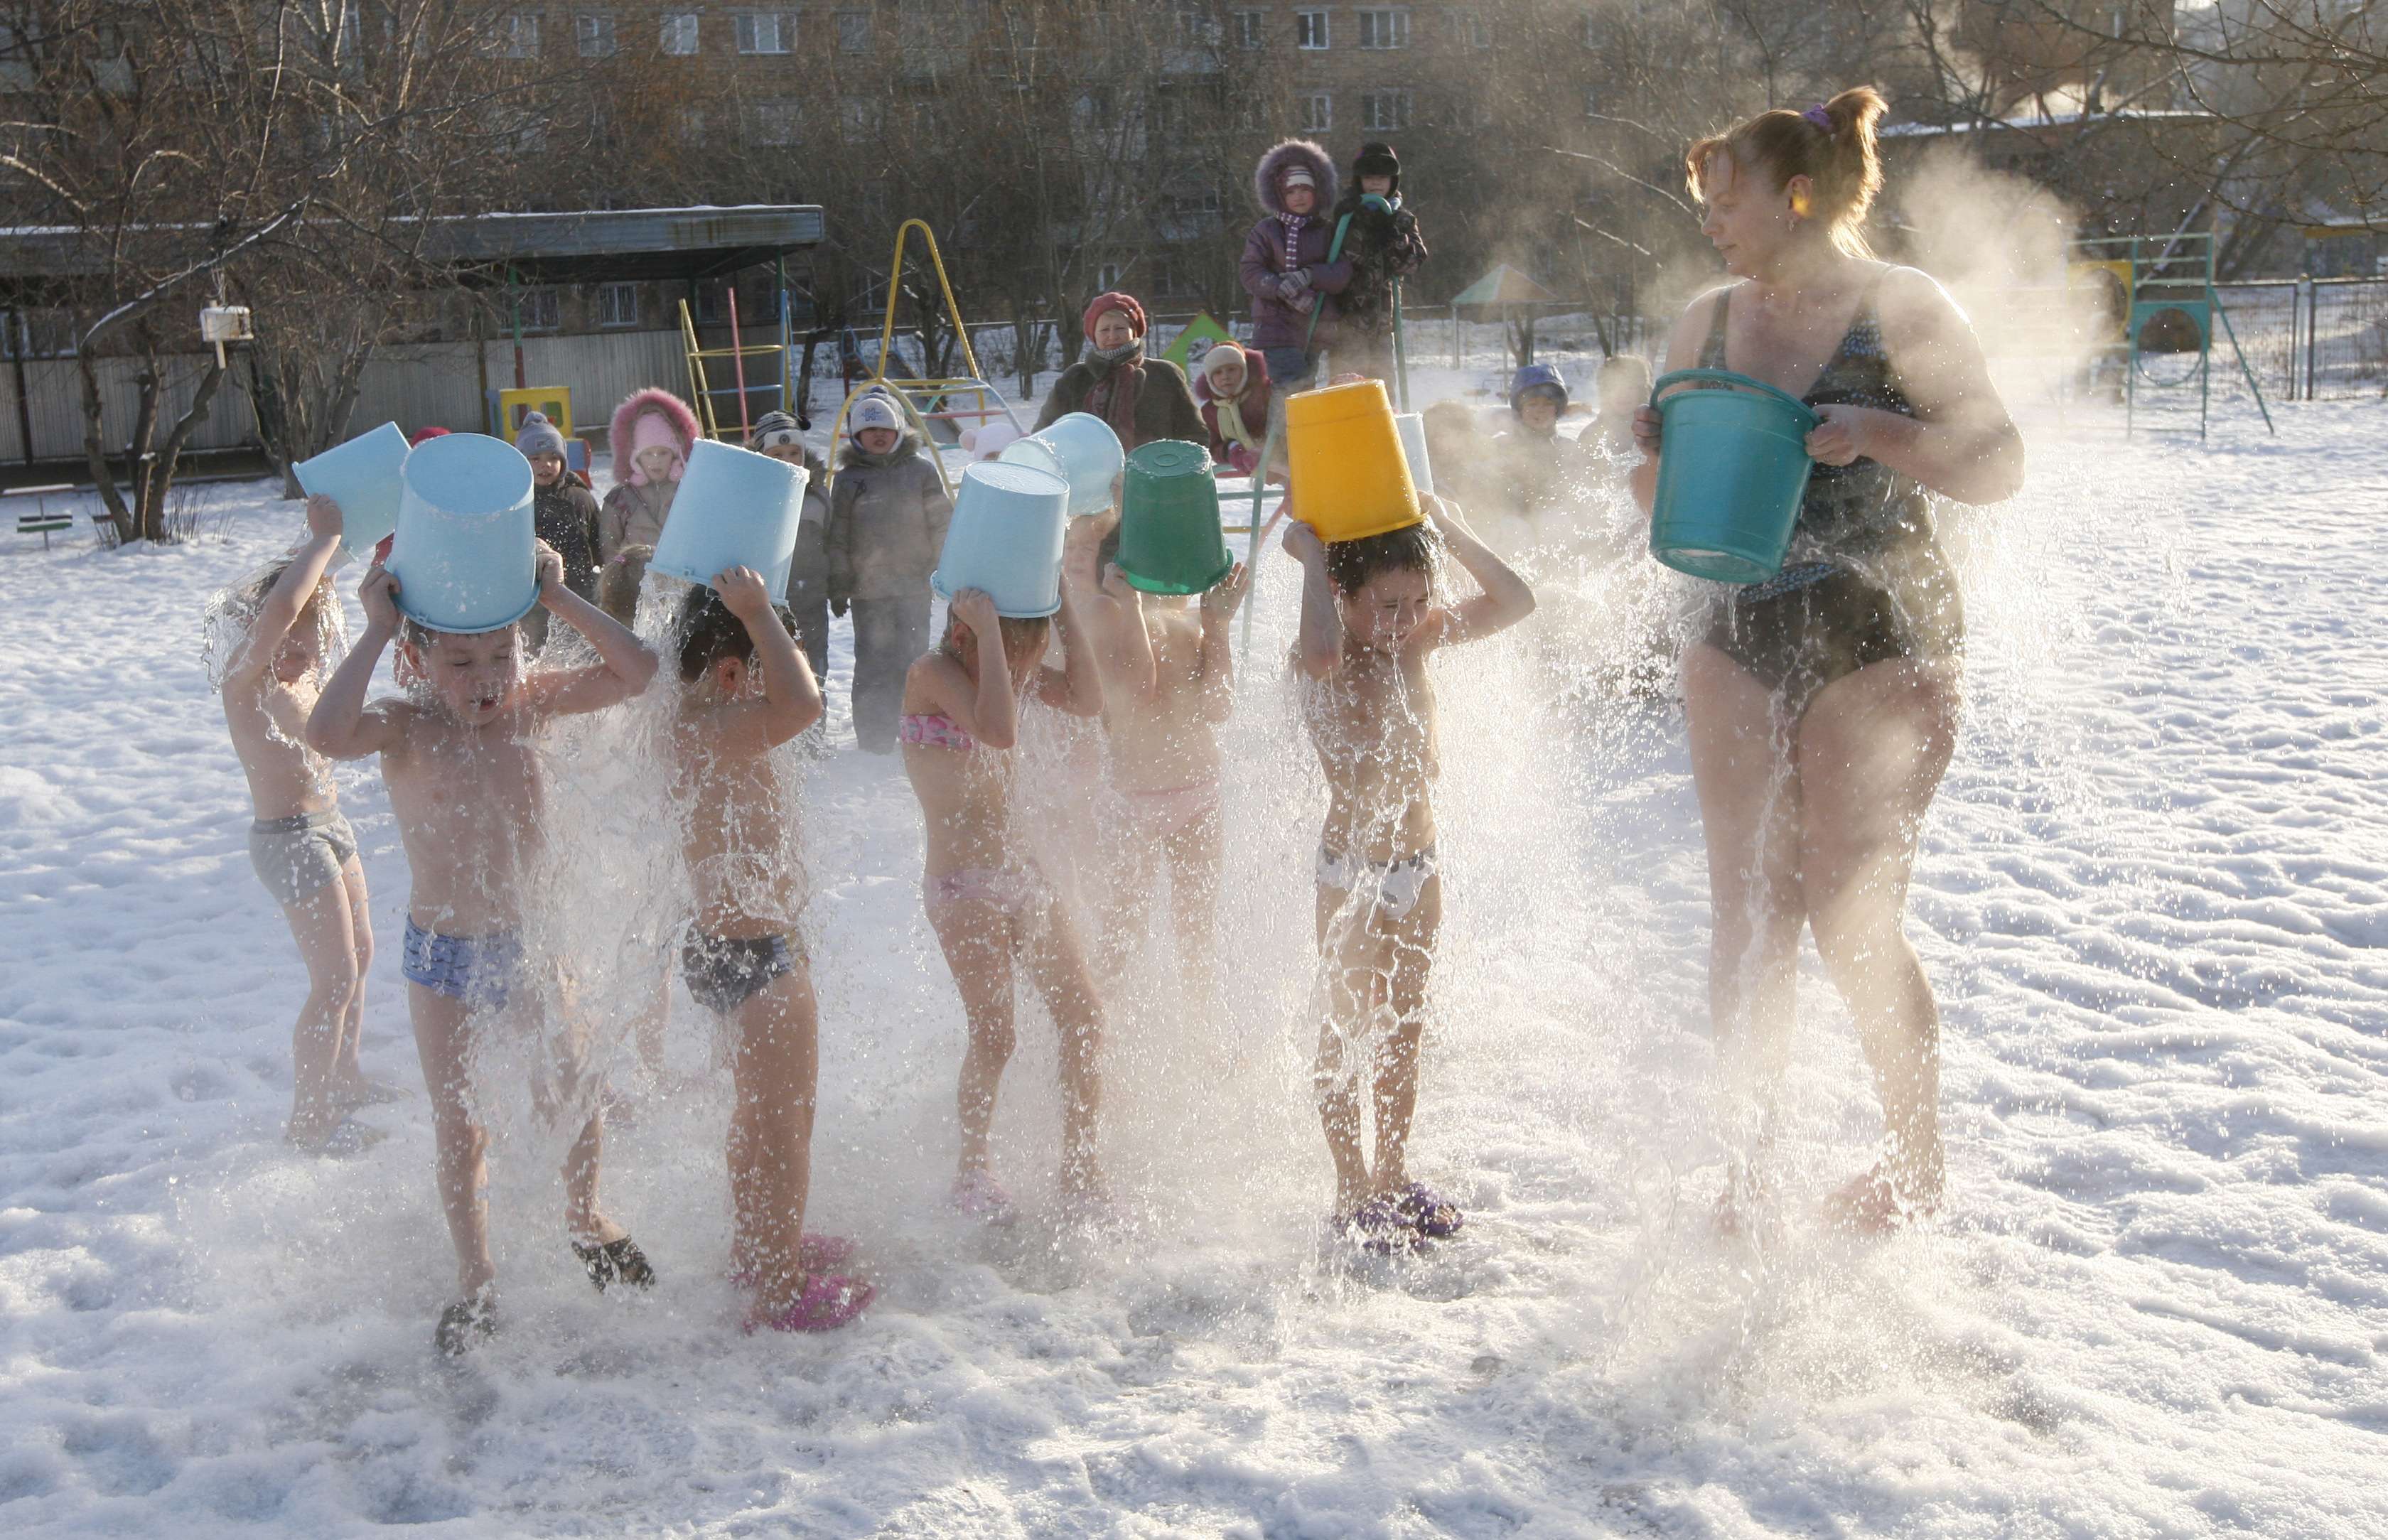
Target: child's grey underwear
[[294, 856]]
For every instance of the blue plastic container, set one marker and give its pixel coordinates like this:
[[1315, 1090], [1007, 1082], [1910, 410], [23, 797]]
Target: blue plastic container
[[363, 477], [464, 556], [735, 508], [1733, 467], [1006, 539], [1411, 425], [1086, 451]]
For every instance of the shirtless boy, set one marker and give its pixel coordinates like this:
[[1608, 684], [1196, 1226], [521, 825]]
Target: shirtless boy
[[466, 788], [1370, 620]]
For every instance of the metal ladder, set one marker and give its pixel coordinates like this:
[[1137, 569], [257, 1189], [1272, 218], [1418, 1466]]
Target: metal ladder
[[702, 392]]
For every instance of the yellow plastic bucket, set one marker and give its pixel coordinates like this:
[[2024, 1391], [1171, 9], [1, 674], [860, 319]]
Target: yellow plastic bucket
[[1349, 477]]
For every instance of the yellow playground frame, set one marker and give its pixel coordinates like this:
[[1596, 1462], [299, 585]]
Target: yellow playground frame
[[924, 400]]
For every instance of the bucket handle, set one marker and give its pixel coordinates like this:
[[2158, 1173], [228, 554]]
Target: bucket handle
[[1726, 376]]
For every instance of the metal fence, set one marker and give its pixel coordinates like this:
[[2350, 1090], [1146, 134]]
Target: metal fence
[[2310, 338]]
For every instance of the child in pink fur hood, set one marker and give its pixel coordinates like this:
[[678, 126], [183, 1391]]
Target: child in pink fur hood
[[653, 433]]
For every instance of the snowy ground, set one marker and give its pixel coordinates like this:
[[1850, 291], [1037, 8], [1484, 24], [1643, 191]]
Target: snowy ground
[[2154, 896]]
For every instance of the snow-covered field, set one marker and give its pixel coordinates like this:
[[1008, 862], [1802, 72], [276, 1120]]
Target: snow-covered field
[[2154, 897]]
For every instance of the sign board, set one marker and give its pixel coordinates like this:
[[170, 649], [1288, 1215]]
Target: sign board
[[1197, 339]]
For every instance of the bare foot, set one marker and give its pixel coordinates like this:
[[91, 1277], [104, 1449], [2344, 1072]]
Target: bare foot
[[361, 1091], [335, 1137], [1874, 1204]]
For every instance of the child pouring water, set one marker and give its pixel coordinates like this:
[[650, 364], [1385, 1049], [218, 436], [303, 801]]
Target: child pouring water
[[268, 639], [1370, 620], [988, 902], [467, 791], [749, 691]]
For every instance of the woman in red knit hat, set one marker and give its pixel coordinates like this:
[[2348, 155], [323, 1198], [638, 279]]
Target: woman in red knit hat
[[1143, 399]]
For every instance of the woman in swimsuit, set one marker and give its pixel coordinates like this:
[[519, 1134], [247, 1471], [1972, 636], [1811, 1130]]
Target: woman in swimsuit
[[1823, 704], [986, 900]]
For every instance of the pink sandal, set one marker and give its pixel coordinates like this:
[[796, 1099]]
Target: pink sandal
[[830, 1301]]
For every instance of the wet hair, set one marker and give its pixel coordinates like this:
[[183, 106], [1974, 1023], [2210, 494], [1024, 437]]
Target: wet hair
[[1839, 157], [1413, 548], [709, 632], [1021, 638], [232, 613]]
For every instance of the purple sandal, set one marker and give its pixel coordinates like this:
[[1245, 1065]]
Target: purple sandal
[[1434, 1216], [1378, 1226], [828, 1301]]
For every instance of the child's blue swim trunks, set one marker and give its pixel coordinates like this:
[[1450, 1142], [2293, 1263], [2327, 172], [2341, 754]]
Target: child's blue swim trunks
[[478, 970]]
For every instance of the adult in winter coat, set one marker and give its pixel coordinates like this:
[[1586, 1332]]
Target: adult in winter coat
[[1385, 246], [1233, 386], [887, 518], [651, 434], [1285, 267], [562, 513], [1143, 399], [778, 435]]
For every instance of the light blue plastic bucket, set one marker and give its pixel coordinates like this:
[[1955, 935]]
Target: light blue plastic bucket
[[1733, 467], [1086, 452], [735, 508], [1006, 539], [363, 477], [1034, 452], [1411, 425], [463, 557]]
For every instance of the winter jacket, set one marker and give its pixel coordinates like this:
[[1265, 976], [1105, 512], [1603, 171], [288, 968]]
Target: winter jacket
[[808, 572], [1383, 247], [1253, 404], [1275, 323], [565, 516], [632, 515], [887, 518], [635, 510], [1164, 404]]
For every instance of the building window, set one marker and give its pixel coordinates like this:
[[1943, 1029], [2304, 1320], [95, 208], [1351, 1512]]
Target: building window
[[1385, 109], [1386, 28], [767, 32], [516, 36], [1251, 29], [692, 122], [852, 31], [769, 122], [540, 309], [1111, 275], [1592, 101], [679, 33], [1469, 29], [617, 305], [1317, 112], [1310, 29], [858, 119], [1591, 30], [596, 35]]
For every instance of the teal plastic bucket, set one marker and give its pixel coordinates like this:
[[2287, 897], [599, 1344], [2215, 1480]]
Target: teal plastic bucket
[[1733, 467], [1170, 540], [1005, 539], [735, 508], [463, 557], [363, 477]]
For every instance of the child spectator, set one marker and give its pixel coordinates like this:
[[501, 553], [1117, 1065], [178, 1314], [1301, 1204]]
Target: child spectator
[[779, 436], [466, 786], [887, 517], [1531, 458], [1142, 399], [1284, 266], [1233, 388], [651, 435], [1385, 246], [563, 513]]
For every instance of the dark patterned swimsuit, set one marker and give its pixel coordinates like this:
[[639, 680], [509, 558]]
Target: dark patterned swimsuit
[[1864, 581]]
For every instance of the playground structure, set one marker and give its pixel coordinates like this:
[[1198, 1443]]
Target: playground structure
[[776, 388], [924, 401], [2161, 312]]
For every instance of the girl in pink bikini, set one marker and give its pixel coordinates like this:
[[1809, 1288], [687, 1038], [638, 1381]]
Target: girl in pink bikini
[[985, 899]]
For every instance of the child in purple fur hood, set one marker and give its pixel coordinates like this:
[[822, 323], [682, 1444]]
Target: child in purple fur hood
[[1285, 267]]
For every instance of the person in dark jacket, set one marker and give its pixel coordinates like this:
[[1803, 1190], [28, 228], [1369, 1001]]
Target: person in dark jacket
[[887, 518], [1285, 267], [779, 436], [1142, 399], [1233, 386], [563, 513], [1385, 246]]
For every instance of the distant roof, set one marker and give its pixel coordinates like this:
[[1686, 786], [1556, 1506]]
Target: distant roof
[[2024, 124], [625, 244], [1503, 286]]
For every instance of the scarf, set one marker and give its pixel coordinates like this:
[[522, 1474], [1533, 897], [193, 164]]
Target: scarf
[[1118, 379], [1232, 427], [1293, 223]]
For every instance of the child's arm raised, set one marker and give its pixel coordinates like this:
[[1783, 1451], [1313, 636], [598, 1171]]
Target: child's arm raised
[[342, 726], [625, 666], [1506, 600], [987, 711], [1077, 688], [791, 699], [1216, 666], [287, 599], [1320, 650], [1113, 612]]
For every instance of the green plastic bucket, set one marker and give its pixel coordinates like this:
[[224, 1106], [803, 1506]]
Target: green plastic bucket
[[1169, 539], [1733, 467]]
